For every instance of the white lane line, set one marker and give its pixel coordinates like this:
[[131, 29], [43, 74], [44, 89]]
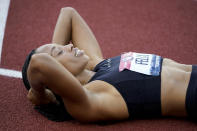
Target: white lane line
[[4, 6], [10, 73]]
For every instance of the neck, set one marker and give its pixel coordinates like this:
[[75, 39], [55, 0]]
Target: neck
[[85, 76]]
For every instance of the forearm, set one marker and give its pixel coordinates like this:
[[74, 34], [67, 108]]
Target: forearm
[[83, 37]]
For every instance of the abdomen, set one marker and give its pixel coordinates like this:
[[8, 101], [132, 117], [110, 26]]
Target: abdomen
[[174, 82]]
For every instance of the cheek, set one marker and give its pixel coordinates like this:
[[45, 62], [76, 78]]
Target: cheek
[[73, 64], [69, 64]]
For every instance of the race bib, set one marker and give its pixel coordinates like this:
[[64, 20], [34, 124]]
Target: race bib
[[148, 64]]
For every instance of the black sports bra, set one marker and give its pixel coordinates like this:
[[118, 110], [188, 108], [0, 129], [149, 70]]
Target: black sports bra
[[141, 92]]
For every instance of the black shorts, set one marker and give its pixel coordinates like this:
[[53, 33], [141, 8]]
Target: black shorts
[[191, 96]]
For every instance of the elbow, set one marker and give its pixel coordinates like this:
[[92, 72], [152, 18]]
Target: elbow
[[68, 9], [35, 63], [41, 62], [35, 77]]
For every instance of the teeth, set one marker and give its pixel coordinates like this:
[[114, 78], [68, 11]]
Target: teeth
[[78, 52]]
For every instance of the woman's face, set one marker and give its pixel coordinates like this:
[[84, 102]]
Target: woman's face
[[73, 59]]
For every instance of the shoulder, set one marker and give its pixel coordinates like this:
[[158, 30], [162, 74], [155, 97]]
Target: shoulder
[[105, 103]]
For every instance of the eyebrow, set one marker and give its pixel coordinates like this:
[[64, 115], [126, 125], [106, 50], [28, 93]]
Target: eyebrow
[[52, 50]]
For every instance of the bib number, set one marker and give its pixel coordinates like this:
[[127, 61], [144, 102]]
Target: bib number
[[148, 64]]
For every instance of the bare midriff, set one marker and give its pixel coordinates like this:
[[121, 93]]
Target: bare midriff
[[175, 78]]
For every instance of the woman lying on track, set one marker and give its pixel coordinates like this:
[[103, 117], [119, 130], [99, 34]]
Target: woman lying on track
[[72, 79]]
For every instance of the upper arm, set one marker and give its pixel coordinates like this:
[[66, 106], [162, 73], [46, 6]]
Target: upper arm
[[106, 103]]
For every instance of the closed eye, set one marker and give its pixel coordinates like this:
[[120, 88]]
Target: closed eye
[[60, 52], [52, 50]]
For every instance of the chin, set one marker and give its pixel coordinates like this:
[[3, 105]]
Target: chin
[[86, 58]]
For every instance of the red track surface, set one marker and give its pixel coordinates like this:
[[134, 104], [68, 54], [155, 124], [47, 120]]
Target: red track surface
[[164, 27]]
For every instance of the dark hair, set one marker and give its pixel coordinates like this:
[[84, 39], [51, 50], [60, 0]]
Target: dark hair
[[54, 112]]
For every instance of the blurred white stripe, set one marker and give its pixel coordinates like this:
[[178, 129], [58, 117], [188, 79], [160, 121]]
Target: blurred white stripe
[[4, 6], [10, 73]]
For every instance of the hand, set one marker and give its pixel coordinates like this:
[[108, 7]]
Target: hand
[[41, 98]]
